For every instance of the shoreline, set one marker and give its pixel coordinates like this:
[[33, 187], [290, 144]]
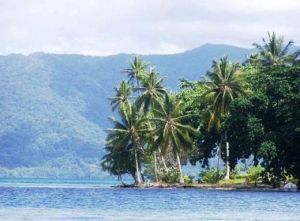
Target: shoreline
[[229, 187]]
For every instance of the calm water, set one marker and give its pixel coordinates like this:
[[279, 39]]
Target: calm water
[[96, 201]]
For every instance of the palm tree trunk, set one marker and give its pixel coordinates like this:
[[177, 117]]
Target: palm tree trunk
[[163, 160], [155, 167], [121, 179], [219, 156], [181, 180], [155, 160], [218, 161], [164, 163], [227, 177], [138, 177], [227, 158]]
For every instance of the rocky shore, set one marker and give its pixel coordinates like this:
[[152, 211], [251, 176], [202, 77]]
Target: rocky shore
[[245, 187]]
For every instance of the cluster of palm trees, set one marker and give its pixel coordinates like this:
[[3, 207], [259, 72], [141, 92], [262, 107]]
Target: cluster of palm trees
[[151, 120]]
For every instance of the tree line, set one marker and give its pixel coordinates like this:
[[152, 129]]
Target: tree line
[[235, 112]]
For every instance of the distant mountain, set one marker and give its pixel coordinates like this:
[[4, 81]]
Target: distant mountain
[[54, 107]]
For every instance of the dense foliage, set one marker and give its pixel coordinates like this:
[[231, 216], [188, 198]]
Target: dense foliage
[[264, 122]]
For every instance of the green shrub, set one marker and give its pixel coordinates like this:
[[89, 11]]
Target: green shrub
[[235, 173], [241, 176], [254, 174], [211, 176], [188, 179], [172, 175]]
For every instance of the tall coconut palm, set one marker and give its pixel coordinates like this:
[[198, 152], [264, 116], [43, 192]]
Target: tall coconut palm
[[274, 52], [171, 132], [136, 70], [222, 86], [128, 133], [151, 90], [121, 100]]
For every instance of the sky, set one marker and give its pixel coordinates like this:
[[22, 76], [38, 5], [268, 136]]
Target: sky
[[105, 27]]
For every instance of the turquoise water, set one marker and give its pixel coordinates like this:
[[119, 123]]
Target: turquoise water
[[94, 200]]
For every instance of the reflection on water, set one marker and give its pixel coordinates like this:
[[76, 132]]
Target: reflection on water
[[75, 202]]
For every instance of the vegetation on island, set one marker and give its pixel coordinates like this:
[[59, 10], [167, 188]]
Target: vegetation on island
[[238, 113]]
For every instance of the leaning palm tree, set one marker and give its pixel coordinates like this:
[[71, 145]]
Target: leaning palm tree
[[170, 132], [121, 100], [274, 52], [128, 133], [117, 161], [136, 70], [221, 86]]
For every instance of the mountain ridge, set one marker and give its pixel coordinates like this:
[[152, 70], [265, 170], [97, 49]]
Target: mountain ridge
[[54, 107], [140, 54]]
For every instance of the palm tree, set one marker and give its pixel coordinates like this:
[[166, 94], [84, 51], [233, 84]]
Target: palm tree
[[170, 131], [136, 70], [128, 133], [151, 91], [117, 161], [222, 86], [122, 98], [274, 52]]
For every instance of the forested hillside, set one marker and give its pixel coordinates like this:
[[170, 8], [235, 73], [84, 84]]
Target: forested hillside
[[54, 107]]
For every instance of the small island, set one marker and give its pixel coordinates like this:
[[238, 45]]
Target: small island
[[150, 110], [245, 116]]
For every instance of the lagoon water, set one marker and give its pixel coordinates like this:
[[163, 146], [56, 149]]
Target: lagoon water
[[91, 201]]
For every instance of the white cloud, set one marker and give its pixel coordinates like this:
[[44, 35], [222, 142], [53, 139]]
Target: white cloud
[[154, 26]]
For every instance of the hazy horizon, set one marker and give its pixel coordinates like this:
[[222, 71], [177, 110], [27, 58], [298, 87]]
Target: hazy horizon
[[131, 53], [150, 27]]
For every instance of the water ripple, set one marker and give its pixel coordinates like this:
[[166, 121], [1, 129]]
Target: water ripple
[[68, 203]]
